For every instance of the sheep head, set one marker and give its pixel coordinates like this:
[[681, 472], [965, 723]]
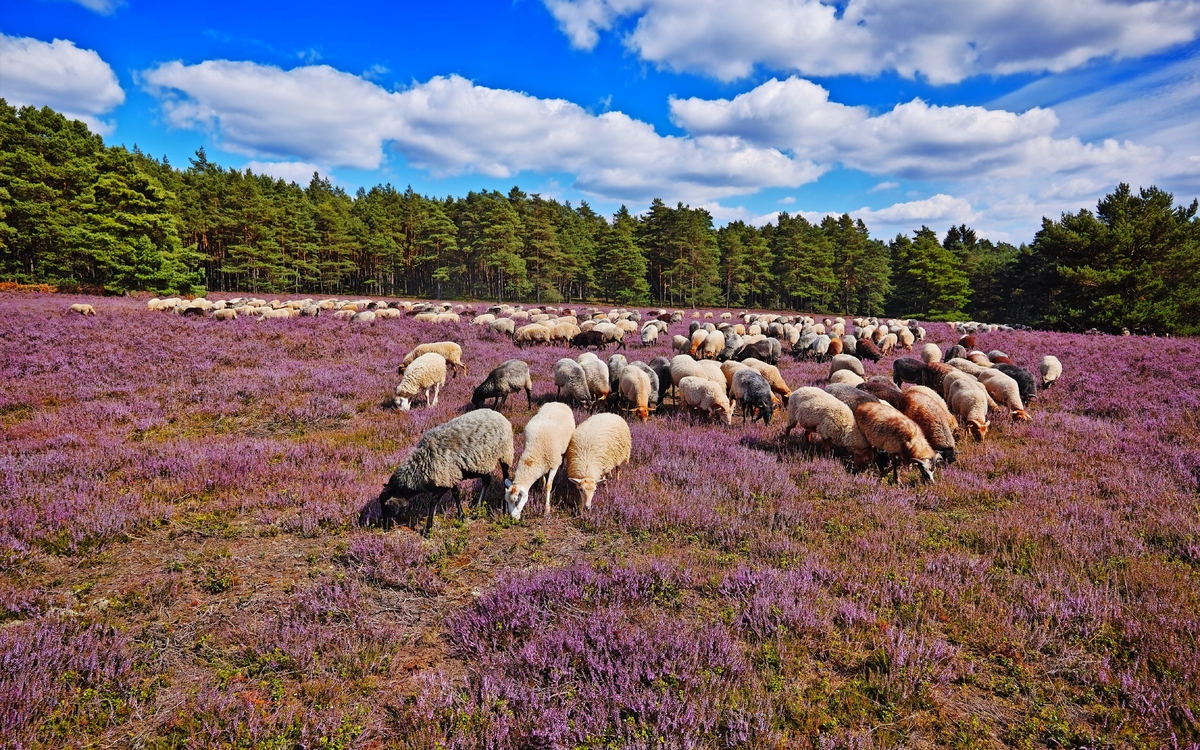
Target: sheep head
[[515, 496]]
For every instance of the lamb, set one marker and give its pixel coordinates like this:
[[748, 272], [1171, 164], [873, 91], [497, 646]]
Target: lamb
[[1006, 392], [898, 436], [600, 446], [547, 437], [753, 393], [969, 405], [597, 375], [570, 376], [449, 350], [931, 415], [1026, 382], [884, 390], [930, 353], [634, 388], [466, 447], [846, 362], [509, 377], [908, 370], [824, 415], [82, 309], [1051, 370], [702, 394], [426, 374]]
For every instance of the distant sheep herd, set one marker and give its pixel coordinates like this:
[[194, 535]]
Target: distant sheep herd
[[725, 364]]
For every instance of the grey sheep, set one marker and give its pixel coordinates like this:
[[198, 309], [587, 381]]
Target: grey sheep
[[466, 447], [753, 393], [570, 377], [510, 376]]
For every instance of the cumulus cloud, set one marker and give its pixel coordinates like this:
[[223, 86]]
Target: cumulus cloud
[[941, 209], [943, 40], [449, 126], [915, 140], [299, 172], [60, 75]]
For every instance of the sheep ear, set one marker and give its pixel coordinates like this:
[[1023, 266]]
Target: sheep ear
[[576, 481]]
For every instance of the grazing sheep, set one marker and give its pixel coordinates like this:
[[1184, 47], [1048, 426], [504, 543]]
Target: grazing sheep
[[634, 388], [426, 374], [610, 334], [649, 334], [683, 366], [731, 368], [652, 375], [466, 447], [1051, 370], [930, 413], [752, 393], [884, 390], [714, 344], [846, 362], [547, 437], [681, 344], [771, 373], [954, 352], [930, 353], [227, 313], [698, 337], [908, 370], [888, 344], [824, 415], [1026, 380], [966, 365], [600, 446], [849, 395], [483, 320], [616, 365], [510, 376], [569, 376], [906, 338], [585, 339], [766, 350], [534, 333], [597, 375], [969, 404], [865, 350], [449, 350], [890, 431], [1006, 392], [662, 368], [269, 314], [366, 317], [849, 377], [505, 326], [82, 309], [702, 394], [713, 372]]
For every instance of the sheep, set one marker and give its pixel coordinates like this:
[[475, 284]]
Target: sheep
[[509, 377], [849, 377], [713, 372], [980, 359], [766, 350], [969, 405], [597, 375], [570, 376], [935, 375], [681, 344], [713, 345], [534, 333], [228, 313], [771, 373], [846, 362], [505, 326], [1051, 370], [312, 311], [967, 342], [930, 413], [662, 368], [697, 339], [426, 374], [449, 350], [634, 389], [483, 320], [600, 446], [616, 365], [930, 353], [653, 376], [1026, 382], [269, 314], [966, 365], [82, 309], [906, 338], [824, 415], [849, 395], [954, 352], [888, 344], [753, 393], [547, 436], [683, 366], [731, 368], [898, 436], [1006, 392], [610, 334], [466, 447], [908, 370], [649, 334], [702, 394], [883, 389], [865, 349]]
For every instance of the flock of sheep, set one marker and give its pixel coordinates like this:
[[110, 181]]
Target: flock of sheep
[[721, 366], [356, 311]]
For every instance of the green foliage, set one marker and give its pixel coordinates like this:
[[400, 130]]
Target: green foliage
[[622, 263], [929, 279], [803, 264]]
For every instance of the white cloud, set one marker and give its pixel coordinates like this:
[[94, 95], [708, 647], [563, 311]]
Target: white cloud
[[787, 200], [885, 186], [448, 125], [913, 140], [941, 209], [299, 172], [942, 40], [103, 7], [59, 75]]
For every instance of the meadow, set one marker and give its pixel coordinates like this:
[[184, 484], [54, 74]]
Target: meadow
[[182, 563]]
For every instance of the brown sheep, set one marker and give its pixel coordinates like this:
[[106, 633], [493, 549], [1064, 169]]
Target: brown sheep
[[898, 436]]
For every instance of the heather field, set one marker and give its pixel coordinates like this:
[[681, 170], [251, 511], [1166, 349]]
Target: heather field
[[182, 565]]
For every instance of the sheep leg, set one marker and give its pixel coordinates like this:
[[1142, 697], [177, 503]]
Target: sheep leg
[[433, 504], [550, 486], [487, 482], [528, 398], [436, 388]]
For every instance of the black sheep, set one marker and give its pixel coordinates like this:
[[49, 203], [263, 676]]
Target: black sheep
[[510, 376], [1026, 380], [908, 370], [589, 338]]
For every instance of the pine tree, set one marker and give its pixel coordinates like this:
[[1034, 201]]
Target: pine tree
[[622, 264]]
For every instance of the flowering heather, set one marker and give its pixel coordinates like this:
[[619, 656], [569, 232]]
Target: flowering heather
[[181, 559]]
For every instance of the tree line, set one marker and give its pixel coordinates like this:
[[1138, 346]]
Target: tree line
[[77, 213]]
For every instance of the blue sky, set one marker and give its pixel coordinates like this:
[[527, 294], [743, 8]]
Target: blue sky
[[902, 112]]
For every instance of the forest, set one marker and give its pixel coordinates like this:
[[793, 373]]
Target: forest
[[78, 214]]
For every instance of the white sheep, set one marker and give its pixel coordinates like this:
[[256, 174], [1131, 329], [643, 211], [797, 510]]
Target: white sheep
[[824, 415], [846, 376], [570, 376], [1005, 391], [82, 309], [1051, 370], [703, 394], [969, 404], [846, 362], [547, 437], [600, 446], [449, 350], [426, 374], [635, 391], [596, 372]]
